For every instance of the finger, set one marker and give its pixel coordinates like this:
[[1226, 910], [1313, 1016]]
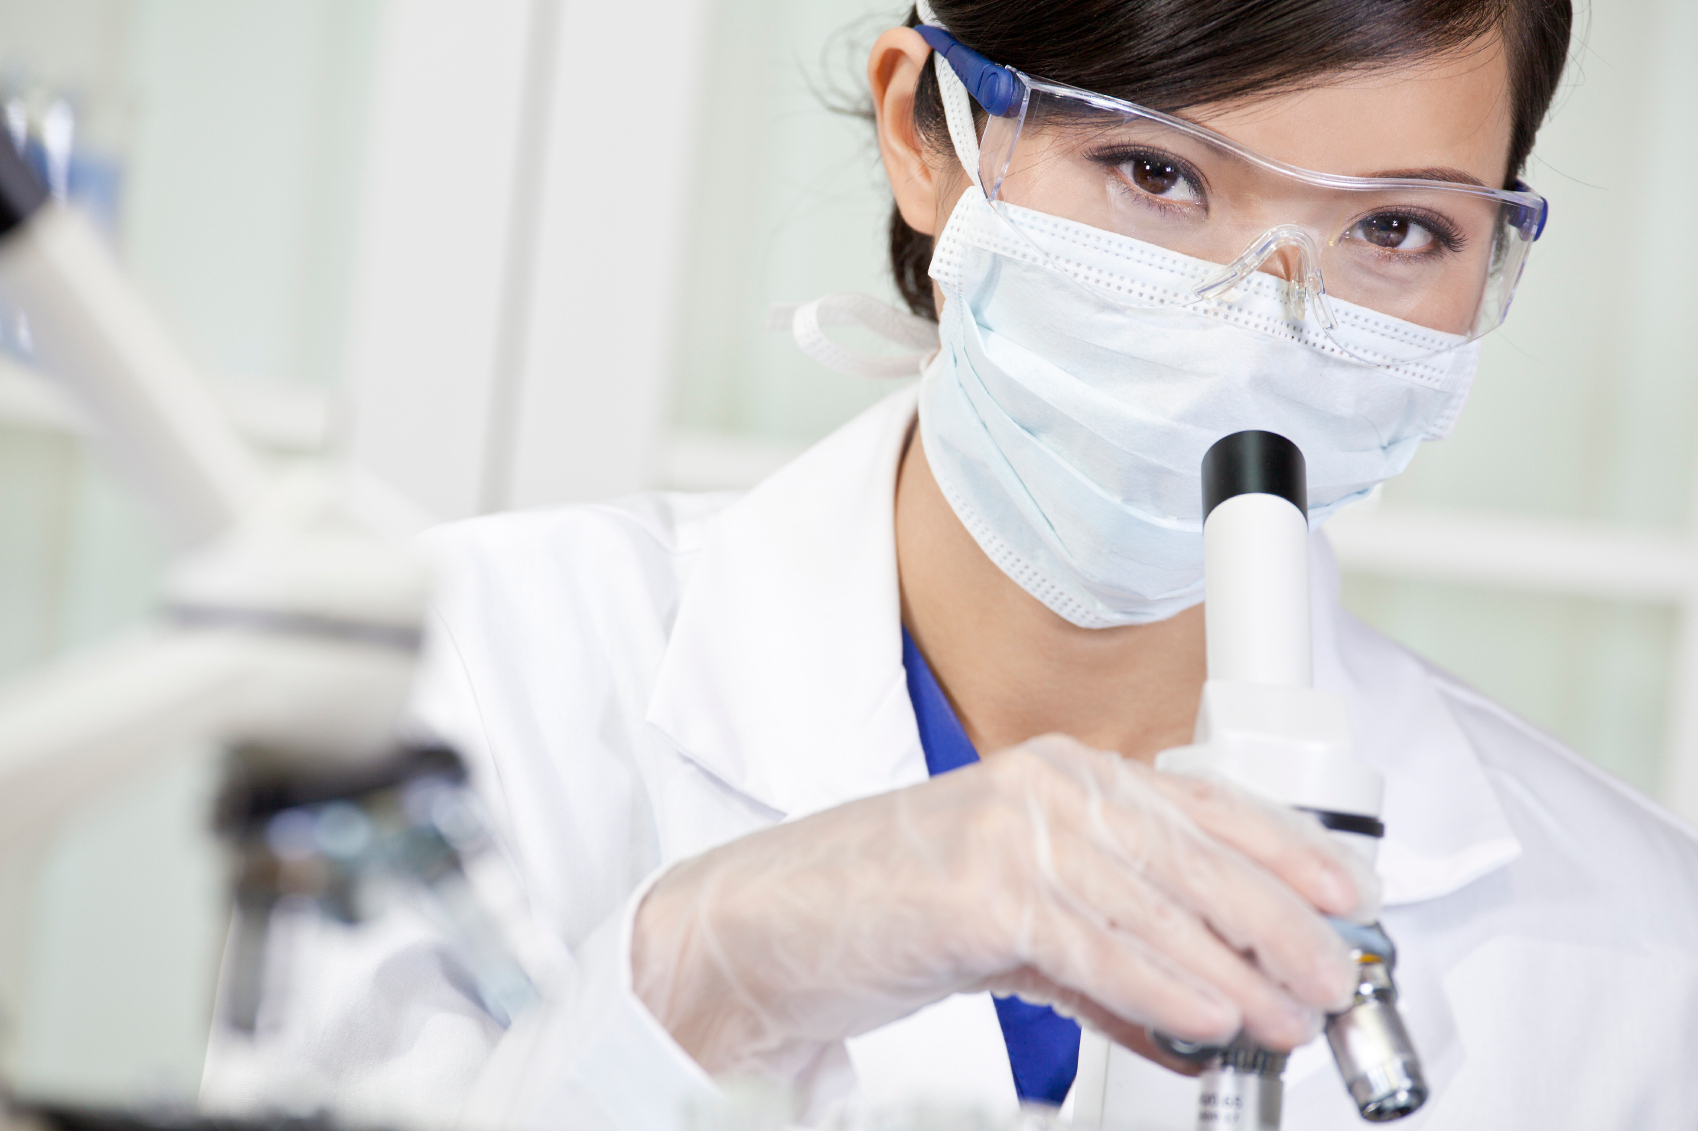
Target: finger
[[1125, 901], [1073, 792], [1032, 986], [1291, 845], [1127, 978], [1259, 916], [1253, 910]]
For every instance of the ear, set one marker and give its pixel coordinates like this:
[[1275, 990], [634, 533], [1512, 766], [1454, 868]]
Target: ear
[[893, 74]]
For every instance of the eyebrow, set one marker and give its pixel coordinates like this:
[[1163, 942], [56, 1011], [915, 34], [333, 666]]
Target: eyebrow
[[1454, 176]]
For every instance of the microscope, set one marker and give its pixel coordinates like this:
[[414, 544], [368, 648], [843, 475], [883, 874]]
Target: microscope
[[289, 636], [1263, 725]]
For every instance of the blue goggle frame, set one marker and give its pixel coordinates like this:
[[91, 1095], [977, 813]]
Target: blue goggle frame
[[998, 89]]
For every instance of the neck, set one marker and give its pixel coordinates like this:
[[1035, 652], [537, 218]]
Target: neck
[[1013, 669]]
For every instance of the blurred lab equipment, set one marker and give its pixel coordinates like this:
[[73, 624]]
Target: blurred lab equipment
[[1264, 725], [335, 838], [44, 124], [48, 124], [289, 632], [60, 1117]]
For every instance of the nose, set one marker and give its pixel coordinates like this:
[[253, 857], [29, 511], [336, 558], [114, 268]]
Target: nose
[[1286, 252], [1285, 262]]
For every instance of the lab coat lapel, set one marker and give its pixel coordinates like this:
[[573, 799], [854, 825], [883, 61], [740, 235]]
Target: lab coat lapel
[[783, 676], [1444, 825]]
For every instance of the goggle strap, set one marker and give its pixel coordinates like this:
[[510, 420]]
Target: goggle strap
[[992, 84]]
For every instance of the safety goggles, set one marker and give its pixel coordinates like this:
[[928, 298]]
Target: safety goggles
[[1441, 255]]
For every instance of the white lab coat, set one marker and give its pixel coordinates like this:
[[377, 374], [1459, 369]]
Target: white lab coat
[[637, 682]]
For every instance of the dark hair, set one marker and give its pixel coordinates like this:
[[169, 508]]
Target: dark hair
[[1174, 54]]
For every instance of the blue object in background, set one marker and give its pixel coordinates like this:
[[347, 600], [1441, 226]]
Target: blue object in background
[[93, 184], [1043, 1046]]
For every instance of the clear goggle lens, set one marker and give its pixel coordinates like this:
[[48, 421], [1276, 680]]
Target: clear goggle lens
[[1440, 255]]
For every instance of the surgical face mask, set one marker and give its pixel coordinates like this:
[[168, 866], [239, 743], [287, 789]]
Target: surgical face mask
[[1067, 430], [1066, 425]]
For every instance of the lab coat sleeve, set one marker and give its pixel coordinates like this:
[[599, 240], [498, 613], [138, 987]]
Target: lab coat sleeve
[[380, 1026], [593, 1055]]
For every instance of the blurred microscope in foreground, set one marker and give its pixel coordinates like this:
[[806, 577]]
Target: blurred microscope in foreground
[[289, 632], [339, 840]]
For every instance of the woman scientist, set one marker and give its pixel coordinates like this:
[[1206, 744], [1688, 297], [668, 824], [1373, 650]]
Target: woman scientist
[[714, 731]]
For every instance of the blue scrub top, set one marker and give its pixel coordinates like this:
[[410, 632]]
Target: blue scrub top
[[1043, 1046]]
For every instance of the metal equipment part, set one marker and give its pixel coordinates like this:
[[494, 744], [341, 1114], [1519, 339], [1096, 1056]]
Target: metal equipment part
[[1374, 1053]]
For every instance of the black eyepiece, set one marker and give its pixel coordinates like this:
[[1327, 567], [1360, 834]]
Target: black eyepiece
[[21, 191], [1254, 463]]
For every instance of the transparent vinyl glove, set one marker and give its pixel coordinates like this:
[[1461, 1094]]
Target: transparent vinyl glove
[[1126, 898]]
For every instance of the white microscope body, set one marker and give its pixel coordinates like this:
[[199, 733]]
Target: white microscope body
[[1263, 725], [289, 631]]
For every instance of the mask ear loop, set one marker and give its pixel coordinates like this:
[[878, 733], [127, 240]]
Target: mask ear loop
[[957, 103], [806, 323], [958, 112]]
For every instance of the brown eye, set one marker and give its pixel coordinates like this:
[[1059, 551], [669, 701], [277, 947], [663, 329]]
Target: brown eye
[[1161, 179], [1395, 233]]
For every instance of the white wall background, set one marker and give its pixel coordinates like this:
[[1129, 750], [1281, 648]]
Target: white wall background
[[1583, 419], [513, 263]]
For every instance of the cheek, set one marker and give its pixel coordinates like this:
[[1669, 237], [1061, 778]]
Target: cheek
[[1451, 309]]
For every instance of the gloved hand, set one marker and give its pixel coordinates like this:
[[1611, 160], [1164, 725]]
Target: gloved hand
[[1125, 897]]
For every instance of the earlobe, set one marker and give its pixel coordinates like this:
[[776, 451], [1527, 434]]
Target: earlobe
[[893, 73]]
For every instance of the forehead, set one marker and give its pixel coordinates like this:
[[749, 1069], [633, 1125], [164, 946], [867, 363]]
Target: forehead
[[1453, 112]]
